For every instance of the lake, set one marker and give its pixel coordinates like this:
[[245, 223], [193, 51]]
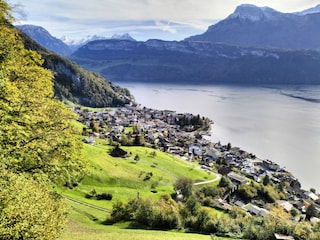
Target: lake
[[279, 123]]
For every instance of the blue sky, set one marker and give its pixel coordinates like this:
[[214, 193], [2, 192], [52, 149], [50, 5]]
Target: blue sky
[[142, 19]]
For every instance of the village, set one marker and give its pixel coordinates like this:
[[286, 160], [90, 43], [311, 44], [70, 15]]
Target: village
[[185, 135]]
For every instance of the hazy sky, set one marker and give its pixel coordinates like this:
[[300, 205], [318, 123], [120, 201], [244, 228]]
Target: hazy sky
[[142, 19]]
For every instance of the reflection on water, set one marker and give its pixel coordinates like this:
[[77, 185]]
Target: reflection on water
[[277, 123]]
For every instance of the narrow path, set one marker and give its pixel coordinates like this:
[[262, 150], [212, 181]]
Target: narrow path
[[218, 176], [86, 204]]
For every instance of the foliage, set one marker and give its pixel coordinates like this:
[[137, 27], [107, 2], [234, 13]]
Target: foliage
[[118, 152], [311, 211], [266, 180], [192, 205], [36, 134], [225, 182], [99, 196], [247, 192], [137, 158], [37, 142], [163, 214], [185, 186], [185, 121], [28, 210], [211, 191], [234, 223]]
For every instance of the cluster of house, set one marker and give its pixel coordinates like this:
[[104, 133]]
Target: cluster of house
[[249, 167], [161, 130]]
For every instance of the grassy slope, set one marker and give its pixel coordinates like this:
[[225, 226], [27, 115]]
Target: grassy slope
[[81, 227], [124, 179]]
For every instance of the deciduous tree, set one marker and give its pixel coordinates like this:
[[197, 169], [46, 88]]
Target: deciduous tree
[[185, 185], [28, 210], [37, 142], [35, 130]]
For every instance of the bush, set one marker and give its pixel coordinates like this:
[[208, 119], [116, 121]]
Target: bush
[[104, 196], [148, 176], [211, 191]]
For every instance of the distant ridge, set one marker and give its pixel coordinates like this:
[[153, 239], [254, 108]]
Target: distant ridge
[[196, 62]]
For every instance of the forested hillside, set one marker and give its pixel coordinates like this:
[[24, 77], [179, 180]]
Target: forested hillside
[[76, 84]]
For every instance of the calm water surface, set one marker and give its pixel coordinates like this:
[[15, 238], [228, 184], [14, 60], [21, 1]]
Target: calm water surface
[[277, 123]]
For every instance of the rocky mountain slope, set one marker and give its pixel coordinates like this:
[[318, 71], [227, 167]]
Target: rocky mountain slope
[[45, 39]]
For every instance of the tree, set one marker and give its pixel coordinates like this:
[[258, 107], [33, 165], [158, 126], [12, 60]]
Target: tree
[[153, 154], [138, 140], [193, 205], [28, 210], [137, 158], [94, 126], [37, 142], [247, 192], [311, 211], [225, 182], [185, 185], [36, 134], [229, 146], [266, 180]]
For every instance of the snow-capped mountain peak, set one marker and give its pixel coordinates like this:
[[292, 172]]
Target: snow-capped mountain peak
[[253, 13], [86, 39], [125, 36], [80, 42]]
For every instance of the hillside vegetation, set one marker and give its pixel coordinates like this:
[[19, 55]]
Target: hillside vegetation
[[38, 148], [76, 84]]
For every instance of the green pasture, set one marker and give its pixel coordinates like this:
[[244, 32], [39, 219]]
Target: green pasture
[[125, 179]]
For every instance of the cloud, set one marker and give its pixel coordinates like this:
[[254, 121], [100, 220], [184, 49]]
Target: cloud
[[164, 10], [166, 18]]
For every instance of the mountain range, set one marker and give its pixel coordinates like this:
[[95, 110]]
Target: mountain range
[[251, 26], [63, 46], [197, 62], [252, 45]]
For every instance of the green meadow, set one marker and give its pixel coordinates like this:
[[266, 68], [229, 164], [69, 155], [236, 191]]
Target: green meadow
[[124, 178]]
